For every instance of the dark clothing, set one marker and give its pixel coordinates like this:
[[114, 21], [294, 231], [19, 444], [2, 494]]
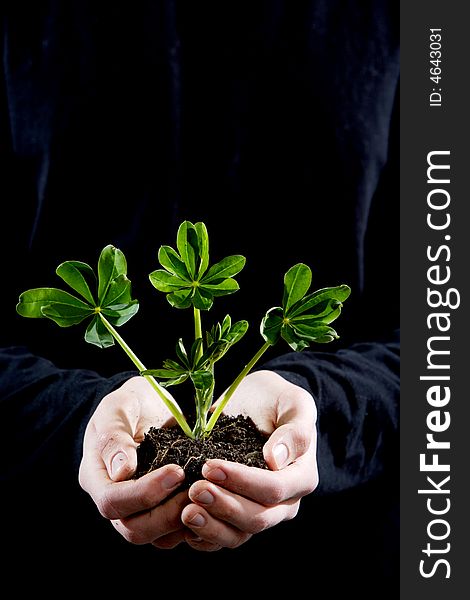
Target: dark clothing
[[276, 124]]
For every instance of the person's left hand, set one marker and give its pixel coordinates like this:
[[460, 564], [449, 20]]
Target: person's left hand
[[234, 501]]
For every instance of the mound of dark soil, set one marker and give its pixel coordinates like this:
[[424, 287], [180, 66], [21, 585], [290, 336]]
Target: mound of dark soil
[[232, 438]]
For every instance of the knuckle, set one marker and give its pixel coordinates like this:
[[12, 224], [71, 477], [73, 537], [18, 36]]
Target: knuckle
[[259, 522], [237, 539], [204, 546], [302, 442], [106, 506], [135, 536], [293, 511], [164, 544], [82, 478], [312, 484], [229, 513], [302, 438], [105, 440], [147, 499], [168, 521], [275, 494], [169, 541]]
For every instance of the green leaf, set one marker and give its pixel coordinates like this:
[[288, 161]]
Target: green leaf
[[297, 281], [271, 325], [118, 314], [166, 282], [295, 342], [65, 315], [163, 373], [182, 354], [203, 244], [339, 293], [171, 261], [236, 332], [195, 350], [324, 312], [202, 299], [325, 339], [174, 381], [180, 298], [172, 371], [188, 247], [32, 302], [202, 379], [314, 332], [226, 324], [119, 291], [172, 365], [98, 335], [173, 377], [111, 264], [224, 287], [212, 353], [217, 331], [216, 349], [227, 267], [78, 275]]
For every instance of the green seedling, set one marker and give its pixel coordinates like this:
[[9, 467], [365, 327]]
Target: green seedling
[[105, 301]]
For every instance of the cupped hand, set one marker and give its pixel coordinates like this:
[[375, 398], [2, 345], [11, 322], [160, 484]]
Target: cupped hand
[[234, 501], [136, 508]]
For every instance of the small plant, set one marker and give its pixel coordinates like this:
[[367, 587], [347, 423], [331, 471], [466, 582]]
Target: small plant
[[188, 281]]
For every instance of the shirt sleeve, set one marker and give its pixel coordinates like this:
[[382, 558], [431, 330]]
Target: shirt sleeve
[[356, 390], [46, 410]]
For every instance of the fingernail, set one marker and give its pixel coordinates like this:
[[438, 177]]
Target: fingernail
[[215, 474], [173, 478], [118, 461], [205, 497], [198, 520], [280, 455]]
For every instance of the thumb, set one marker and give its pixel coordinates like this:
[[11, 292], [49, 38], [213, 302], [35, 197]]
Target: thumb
[[295, 428], [286, 444], [118, 452]]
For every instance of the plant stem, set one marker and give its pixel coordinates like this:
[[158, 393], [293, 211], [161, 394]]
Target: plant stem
[[229, 393], [200, 424], [167, 400], [201, 415], [198, 328]]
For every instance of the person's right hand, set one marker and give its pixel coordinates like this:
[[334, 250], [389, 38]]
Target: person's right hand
[[136, 508]]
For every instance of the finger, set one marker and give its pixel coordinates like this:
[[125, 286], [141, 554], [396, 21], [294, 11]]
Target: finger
[[197, 543], [112, 439], [118, 452], [261, 485], [242, 513], [118, 500], [171, 540], [211, 530], [288, 443], [295, 430], [148, 527]]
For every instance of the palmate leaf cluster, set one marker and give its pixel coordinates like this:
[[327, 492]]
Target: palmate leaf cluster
[[188, 280], [107, 292], [304, 318], [186, 277]]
